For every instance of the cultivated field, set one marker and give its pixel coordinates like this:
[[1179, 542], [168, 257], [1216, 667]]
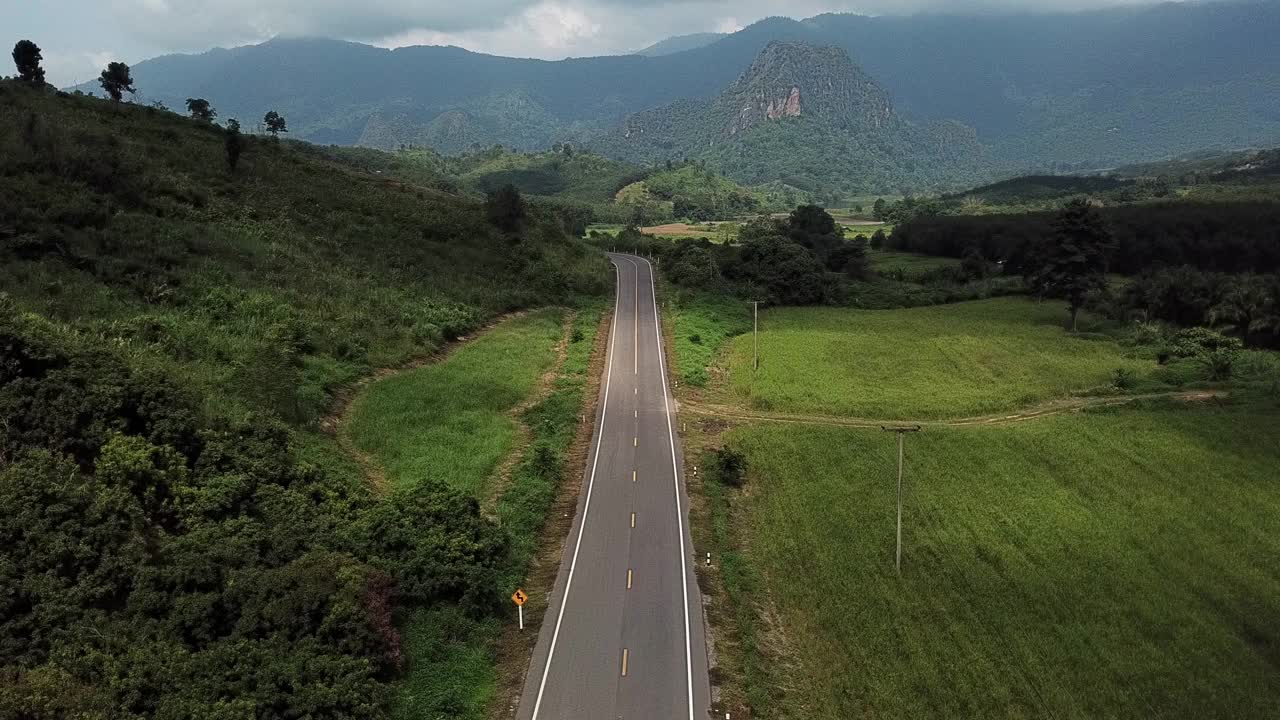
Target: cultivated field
[[1118, 564], [945, 361]]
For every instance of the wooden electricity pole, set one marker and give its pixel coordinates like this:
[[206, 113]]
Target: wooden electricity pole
[[900, 431]]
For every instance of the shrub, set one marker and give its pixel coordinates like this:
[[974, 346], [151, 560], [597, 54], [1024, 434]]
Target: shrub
[[1194, 342], [728, 466], [1149, 333], [1123, 379], [1219, 363]]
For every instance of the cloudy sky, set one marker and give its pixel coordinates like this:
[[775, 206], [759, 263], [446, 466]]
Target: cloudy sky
[[79, 36]]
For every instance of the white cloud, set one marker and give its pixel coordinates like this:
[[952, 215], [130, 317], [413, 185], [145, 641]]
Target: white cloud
[[559, 26], [728, 25]]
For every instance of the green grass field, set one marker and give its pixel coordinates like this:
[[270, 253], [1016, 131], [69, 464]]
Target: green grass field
[[451, 420], [944, 361], [909, 263], [1118, 564]]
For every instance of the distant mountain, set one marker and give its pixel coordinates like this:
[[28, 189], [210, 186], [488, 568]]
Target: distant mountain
[[1044, 91], [680, 43], [808, 116]]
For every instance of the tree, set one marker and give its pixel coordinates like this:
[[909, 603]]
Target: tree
[[1073, 263], [27, 57], [233, 143], [789, 273], [850, 258], [116, 81], [878, 208], [275, 123], [505, 208], [200, 109], [878, 239]]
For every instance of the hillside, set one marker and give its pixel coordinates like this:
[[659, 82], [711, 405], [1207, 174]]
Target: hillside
[[1086, 90], [180, 538], [680, 43], [807, 116]]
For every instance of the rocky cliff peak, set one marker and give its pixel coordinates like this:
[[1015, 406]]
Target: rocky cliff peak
[[793, 79]]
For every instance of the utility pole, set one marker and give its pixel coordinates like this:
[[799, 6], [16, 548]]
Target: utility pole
[[755, 333], [901, 431]]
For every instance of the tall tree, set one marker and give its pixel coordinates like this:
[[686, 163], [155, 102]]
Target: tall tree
[[27, 57], [201, 110], [1073, 262], [877, 210], [275, 123], [116, 80], [233, 143]]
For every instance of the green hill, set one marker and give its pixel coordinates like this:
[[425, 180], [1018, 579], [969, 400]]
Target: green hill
[[808, 117], [179, 539]]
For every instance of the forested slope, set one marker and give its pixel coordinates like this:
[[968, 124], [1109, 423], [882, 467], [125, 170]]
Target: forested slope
[[176, 538]]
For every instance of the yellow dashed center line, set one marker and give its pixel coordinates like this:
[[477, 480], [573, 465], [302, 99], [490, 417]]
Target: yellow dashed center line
[[633, 479], [635, 442], [624, 662], [628, 578], [633, 519]]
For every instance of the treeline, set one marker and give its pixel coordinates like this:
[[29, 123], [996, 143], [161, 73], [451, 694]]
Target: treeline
[[1215, 237], [803, 259], [1246, 305]]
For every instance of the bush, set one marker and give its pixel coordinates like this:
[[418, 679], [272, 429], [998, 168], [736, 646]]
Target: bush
[[728, 466], [1123, 379], [1194, 342]]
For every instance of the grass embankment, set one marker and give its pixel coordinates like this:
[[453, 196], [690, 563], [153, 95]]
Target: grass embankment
[[457, 420], [922, 363], [1113, 564], [702, 323]]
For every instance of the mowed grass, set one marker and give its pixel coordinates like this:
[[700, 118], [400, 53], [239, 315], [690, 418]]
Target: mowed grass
[[450, 421], [1103, 565], [923, 363]]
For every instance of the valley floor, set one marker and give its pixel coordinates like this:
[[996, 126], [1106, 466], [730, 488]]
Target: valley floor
[[1103, 560]]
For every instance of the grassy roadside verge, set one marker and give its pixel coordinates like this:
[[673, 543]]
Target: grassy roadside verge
[[457, 420]]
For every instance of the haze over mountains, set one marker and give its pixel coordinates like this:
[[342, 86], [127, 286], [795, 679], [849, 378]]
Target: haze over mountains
[[1035, 91]]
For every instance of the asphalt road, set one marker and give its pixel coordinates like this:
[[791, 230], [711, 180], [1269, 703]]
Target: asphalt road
[[623, 634]]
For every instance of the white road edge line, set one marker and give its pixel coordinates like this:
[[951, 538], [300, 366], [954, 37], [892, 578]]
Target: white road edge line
[[586, 507], [675, 476]]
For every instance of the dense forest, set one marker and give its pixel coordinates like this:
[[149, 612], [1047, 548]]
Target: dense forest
[[179, 305], [1224, 237]]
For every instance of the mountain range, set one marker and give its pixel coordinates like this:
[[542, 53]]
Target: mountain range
[[1035, 91]]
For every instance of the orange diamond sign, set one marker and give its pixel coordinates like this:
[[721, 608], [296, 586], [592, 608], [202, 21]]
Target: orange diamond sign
[[519, 597]]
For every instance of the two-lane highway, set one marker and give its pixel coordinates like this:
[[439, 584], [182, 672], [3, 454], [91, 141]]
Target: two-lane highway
[[623, 635]]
